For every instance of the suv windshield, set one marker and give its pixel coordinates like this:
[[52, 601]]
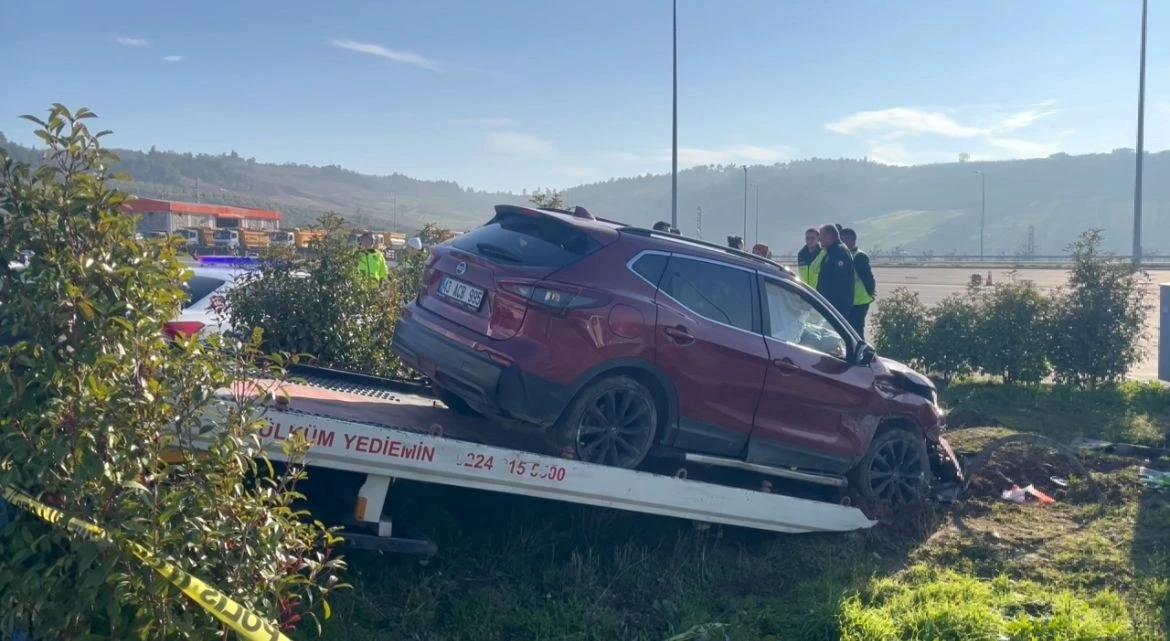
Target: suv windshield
[[531, 241]]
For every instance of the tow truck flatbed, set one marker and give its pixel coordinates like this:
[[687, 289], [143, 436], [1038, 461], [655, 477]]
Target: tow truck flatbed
[[386, 435]]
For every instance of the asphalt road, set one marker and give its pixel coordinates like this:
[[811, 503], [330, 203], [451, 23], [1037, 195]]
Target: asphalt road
[[936, 283]]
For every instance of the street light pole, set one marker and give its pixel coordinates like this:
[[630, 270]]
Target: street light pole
[[757, 186], [982, 209], [745, 204], [1137, 181], [674, 120]]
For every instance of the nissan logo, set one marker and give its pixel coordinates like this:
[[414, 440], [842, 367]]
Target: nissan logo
[[460, 268]]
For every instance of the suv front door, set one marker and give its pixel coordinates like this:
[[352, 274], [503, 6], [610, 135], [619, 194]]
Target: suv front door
[[708, 342], [815, 409]]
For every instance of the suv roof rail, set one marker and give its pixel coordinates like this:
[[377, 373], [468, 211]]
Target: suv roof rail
[[641, 231]]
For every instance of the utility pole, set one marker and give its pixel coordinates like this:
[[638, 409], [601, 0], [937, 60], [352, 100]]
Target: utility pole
[[699, 223], [982, 209], [757, 186], [1137, 181], [745, 204], [394, 195], [674, 119]]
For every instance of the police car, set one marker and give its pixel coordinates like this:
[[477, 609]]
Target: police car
[[205, 308]]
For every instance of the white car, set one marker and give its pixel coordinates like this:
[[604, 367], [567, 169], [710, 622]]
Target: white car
[[204, 312]]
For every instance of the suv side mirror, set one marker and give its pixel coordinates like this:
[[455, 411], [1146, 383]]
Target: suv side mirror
[[865, 354]]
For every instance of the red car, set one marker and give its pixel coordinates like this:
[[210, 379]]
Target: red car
[[621, 342]]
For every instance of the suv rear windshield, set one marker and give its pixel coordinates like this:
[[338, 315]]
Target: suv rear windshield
[[532, 241]]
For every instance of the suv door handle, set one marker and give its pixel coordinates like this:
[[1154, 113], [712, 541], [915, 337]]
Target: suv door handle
[[679, 334], [785, 364]]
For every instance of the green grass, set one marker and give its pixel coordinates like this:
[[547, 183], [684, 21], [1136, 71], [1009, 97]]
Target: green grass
[[512, 568]]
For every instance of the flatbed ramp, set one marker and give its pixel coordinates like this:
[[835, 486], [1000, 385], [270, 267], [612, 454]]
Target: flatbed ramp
[[384, 435]]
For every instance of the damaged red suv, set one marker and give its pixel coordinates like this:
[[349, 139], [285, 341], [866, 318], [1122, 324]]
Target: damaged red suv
[[621, 342]]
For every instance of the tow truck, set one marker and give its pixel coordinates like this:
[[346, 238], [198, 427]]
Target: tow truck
[[378, 430]]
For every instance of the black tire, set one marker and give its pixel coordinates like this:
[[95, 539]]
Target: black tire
[[612, 422], [455, 403], [895, 471]]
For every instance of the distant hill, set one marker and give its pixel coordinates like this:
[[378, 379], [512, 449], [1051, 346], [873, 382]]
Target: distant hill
[[929, 208]]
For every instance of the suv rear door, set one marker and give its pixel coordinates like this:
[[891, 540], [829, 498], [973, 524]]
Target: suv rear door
[[815, 409], [708, 342]]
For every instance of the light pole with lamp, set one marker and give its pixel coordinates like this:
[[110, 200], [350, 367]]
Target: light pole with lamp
[[757, 186], [1137, 181], [745, 190], [674, 121], [982, 209]]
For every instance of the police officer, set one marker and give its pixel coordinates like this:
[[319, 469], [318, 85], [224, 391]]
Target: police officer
[[835, 278], [864, 285], [371, 261], [808, 259]]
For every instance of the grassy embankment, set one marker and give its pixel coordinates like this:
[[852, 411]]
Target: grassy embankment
[[1084, 568]]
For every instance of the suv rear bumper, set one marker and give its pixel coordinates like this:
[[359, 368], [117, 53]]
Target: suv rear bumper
[[488, 387]]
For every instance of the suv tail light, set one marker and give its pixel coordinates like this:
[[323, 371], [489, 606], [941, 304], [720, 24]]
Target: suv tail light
[[182, 328], [553, 297]]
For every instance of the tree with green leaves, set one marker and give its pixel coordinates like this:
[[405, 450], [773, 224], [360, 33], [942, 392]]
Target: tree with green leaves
[[547, 199], [93, 395], [1099, 320]]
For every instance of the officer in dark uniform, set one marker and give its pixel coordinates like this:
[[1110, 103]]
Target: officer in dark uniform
[[835, 280]]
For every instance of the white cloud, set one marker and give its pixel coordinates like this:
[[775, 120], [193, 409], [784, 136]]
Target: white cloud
[[514, 143], [403, 57], [131, 42], [172, 58], [903, 120], [485, 122], [893, 136]]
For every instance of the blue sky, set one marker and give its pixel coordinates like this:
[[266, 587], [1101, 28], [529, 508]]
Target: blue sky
[[511, 95]]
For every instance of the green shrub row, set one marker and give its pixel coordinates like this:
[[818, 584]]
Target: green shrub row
[[1088, 333]]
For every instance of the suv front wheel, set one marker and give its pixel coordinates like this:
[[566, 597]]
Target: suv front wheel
[[894, 471], [611, 422]]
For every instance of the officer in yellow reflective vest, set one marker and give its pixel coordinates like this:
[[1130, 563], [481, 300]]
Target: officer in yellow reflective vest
[[864, 285], [371, 261], [810, 257]]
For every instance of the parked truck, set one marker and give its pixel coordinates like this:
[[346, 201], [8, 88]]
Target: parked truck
[[240, 241]]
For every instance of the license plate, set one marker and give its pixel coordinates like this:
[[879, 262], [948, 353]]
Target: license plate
[[461, 292]]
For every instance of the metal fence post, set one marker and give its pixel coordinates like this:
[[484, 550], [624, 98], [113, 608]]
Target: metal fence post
[[1164, 335]]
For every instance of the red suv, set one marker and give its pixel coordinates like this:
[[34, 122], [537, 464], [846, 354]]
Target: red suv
[[621, 342]]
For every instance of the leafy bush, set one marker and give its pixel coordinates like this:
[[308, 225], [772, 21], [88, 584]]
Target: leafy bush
[[950, 348], [900, 326], [1100, 320], [317, 304], [91, 393], [1013, 332]]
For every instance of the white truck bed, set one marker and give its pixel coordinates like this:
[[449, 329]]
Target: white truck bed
[[386, 435]]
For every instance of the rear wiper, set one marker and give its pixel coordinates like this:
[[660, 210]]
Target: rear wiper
[[495, 251]]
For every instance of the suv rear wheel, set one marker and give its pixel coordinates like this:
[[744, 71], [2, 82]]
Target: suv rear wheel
[[611, 422], [894, 471]]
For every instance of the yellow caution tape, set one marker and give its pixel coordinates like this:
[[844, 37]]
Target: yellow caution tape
[[248, 624]]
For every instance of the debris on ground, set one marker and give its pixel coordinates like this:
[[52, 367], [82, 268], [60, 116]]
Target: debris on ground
[[1155, 479]]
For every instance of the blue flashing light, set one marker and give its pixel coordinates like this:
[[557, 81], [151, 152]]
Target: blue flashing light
[[228, 261]]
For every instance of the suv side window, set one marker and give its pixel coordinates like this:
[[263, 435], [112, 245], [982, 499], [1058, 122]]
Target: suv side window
[[650, 267], [715, 292], [792, 318]]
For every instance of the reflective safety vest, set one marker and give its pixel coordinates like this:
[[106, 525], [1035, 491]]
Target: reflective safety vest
[[860, 295], [810, 272]]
